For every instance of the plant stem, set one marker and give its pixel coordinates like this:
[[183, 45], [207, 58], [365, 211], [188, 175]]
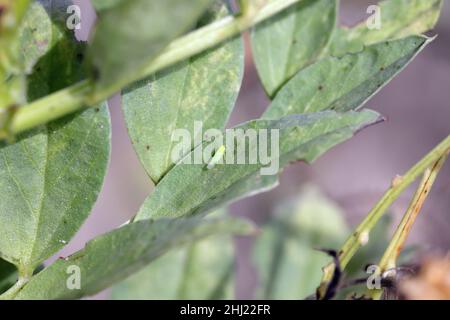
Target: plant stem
[[80, 95], [389, 259], [361, 233], [24, 277]]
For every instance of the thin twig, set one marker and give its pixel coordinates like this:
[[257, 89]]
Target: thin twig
[[389, 259], [360, 236]]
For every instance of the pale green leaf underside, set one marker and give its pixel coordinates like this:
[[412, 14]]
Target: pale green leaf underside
[[49, 181], [119, 50], [345, 83], [12, 84], [35, 35], [399, 18], [287, 264], [120, 253], [203, 88], [50, 178], [200, 271], [192, 189], [291, 40], [316, 88]]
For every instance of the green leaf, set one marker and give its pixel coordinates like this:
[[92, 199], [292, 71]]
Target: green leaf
[[43, 27], [52, 55], [193, 189], [51, 176], [345, 83], [207, 264], [12, 85], [122, 252], [100, 5], [291, 40], [203, 88], [50, 179], [288, 265], [118, 52], [399, 18], [12, 13], [201, 271]]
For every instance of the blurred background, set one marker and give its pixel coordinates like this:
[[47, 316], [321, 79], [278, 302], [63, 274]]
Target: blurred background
[[353, 175]]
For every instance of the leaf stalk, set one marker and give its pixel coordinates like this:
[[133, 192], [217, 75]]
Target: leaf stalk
[[82, 94]]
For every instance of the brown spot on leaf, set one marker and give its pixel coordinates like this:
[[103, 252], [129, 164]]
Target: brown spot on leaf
[[320, 88]]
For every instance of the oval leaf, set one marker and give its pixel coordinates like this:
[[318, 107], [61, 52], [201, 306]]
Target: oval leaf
[[122, 252], [178, 275], [194, 189], [398, 19], [345, 83], [118, 51], [50, 179], [291, 40], [203, 88], [51, 176]]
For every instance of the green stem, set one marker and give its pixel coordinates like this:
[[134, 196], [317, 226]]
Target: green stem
[[361, 233], [389, 259], [24, 277], [81, 94]]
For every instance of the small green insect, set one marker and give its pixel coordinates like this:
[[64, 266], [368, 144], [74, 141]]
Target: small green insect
[[216, 158]]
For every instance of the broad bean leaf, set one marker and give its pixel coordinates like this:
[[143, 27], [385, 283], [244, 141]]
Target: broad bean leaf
[[309, 91], [291, 40], [284, 255], [50, 179], [399, 19], [12, 81], [345, 83], [129, 34], [100, 5], [205, 264], [122, 252], [203, 88], [201, 271], [51, 176], [194, 189]]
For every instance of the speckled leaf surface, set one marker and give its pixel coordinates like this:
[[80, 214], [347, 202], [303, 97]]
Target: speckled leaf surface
[[117, 51], [12, 82], [36, 34], [122, 252], [49, 181], [193, 189], [203, 88], [345, 83], [291, 40], [51, 176], [284, 255], [399, 18], [201, 271]]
